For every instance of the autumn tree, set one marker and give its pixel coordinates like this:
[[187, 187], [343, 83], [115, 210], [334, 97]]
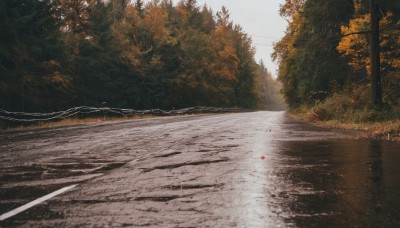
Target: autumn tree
[[58, 54], [355, 39], [308, 60]]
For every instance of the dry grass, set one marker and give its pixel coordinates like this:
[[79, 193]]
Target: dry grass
[[76, 121], [389, 130], [351, 110]]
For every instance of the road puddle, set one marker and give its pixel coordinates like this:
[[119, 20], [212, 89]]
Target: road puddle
[[336, 183], [301, 175]]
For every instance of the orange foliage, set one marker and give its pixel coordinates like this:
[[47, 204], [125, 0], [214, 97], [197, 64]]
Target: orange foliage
[[230, 62], [155, 20], [355, 45]]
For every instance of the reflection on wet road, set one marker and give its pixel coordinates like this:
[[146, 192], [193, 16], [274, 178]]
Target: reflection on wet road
[[258, 169], [338, 183]]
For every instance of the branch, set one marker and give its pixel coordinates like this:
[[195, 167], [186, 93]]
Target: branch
[[355, 33], [384, 29], [390, 28]]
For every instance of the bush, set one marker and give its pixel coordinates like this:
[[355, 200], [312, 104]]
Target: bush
[[352, 105], [391, 88]]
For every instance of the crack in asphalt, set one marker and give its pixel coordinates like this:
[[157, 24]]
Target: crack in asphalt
[[178, 165]]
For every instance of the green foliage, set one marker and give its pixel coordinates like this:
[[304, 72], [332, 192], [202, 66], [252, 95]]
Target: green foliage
[[307, 55], [31, 56]]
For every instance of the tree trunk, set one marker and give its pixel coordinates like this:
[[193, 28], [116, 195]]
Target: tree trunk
[[375, 56]]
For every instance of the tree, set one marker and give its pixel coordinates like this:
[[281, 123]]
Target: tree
[[375, 55], [308, 60], [63, 53], [357, 35], [139, 7], [286, 51], [31, 55]]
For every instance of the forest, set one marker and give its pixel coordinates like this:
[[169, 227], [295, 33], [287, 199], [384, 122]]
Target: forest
[[57, 54], [326, 63]]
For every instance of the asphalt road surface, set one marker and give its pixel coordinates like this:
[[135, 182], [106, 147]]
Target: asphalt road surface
[[255, 169]]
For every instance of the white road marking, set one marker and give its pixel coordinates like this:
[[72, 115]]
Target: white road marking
[[33, 203]]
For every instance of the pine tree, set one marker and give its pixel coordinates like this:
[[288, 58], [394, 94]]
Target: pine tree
[[31, 55]]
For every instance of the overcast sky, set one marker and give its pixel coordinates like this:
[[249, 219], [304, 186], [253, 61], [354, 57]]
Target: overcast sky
[[259, 19]]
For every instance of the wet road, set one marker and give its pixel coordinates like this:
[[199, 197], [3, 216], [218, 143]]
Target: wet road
[[259, 169]]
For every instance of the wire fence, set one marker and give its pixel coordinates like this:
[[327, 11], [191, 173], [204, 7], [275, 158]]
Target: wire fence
[[84, 111]]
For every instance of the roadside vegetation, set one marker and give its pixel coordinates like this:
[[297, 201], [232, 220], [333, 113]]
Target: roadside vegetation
[[351, 109], [87, 115], [333, 73], [73, 122]]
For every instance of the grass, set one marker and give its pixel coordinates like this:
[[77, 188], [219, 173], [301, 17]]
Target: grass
[[73, 121], [389, 130], [351, 110]]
